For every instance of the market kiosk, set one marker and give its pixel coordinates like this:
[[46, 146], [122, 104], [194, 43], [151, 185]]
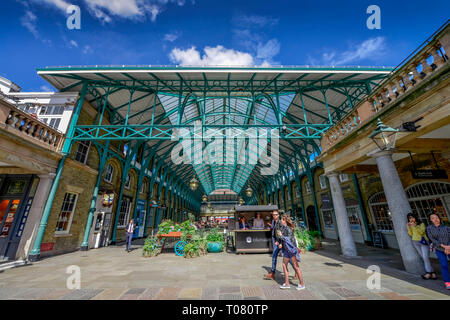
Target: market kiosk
[[253, 240]]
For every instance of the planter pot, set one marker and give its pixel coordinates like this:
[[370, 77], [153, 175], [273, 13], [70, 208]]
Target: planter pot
[[318, 243], [309, 247], [215, 247]]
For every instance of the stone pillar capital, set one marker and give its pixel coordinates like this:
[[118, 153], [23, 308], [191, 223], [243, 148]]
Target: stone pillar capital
[[380, 153], [332, 174], [49, 175]]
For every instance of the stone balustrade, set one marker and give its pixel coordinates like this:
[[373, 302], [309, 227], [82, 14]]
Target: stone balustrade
[[27, 125], [401, 81]]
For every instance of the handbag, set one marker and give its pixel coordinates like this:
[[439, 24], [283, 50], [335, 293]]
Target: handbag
[[423, 241]]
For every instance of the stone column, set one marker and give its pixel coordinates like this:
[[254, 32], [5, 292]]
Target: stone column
[[399, 208], [35, 215], [348, 246]]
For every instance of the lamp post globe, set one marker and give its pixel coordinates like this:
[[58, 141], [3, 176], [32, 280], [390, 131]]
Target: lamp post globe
[[384, 136], [193, 184]]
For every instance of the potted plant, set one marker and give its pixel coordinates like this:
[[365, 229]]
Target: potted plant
[[315, 235], [187, 230], [150, 248], [305, 241], [196, 247], [215, 241]]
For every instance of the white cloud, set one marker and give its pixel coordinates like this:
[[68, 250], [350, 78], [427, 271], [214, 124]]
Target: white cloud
[[249, 32], [29, 21], [87, 49], [60, 4], [130, 9], [213, 56], [254, 20], [73, 43], [369, 49], [45, 88], [172, 36], [267, 51]]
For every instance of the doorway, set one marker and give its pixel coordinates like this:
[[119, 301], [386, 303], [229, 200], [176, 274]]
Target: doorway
[[311, 217], [13, 193]]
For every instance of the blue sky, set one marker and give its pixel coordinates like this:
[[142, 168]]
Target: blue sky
[[209, 32]]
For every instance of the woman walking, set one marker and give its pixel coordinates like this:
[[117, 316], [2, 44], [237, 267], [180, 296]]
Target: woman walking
[[416, 231], [290, 252], [440, 237]]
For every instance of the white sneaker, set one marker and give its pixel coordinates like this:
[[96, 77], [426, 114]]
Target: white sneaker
[[300, 287], [284, 286]]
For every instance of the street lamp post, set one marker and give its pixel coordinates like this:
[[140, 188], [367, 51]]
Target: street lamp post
[[384, 137]]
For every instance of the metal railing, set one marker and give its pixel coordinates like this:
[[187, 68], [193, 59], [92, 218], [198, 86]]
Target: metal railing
[[420, 65], [27, 125]]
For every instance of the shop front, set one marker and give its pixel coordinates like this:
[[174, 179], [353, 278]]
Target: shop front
[[423, 197], [16, 198], [253, 240], [140, 219], [102, 220], [327, 211]]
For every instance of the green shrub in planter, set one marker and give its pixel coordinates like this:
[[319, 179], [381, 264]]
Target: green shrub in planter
[[195, 247], [150, 248], [215, 241]]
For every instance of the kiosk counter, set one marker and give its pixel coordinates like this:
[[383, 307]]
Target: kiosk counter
[[254, 239]]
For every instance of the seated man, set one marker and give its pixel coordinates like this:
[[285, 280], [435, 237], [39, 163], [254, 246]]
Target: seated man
[[243, 225], [258, 223]]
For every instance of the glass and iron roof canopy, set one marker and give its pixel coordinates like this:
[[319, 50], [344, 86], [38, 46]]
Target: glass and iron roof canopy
[[152, 103]]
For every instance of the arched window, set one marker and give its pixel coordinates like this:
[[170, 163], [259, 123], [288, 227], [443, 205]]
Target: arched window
[[109, 172], [380, 212], [423, 197], [128, 181]]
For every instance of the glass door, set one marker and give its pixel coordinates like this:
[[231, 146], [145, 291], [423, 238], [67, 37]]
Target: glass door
[[8, 210]]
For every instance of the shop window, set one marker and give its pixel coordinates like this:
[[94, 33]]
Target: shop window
[[425, 197], [323, 181], [308, 187], [327, 215], [343, 177], [353, 217], [124, 212], [66, 213], [142, 187], [109, 173], [128, 181], [380, 211], [16, 187], [82, 151]]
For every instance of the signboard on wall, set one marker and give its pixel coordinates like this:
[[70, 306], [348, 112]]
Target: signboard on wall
[[429, 174]]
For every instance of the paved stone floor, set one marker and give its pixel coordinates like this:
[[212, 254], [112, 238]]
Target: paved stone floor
[[112, 273]]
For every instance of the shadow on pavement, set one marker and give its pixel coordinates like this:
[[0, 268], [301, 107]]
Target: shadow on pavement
[[389, 261]]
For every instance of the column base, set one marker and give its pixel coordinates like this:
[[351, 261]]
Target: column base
[[34, 257], [84, 248], [350, 257]]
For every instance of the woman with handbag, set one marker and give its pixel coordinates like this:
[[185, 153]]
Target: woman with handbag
[[417, 232], [290, 251]]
